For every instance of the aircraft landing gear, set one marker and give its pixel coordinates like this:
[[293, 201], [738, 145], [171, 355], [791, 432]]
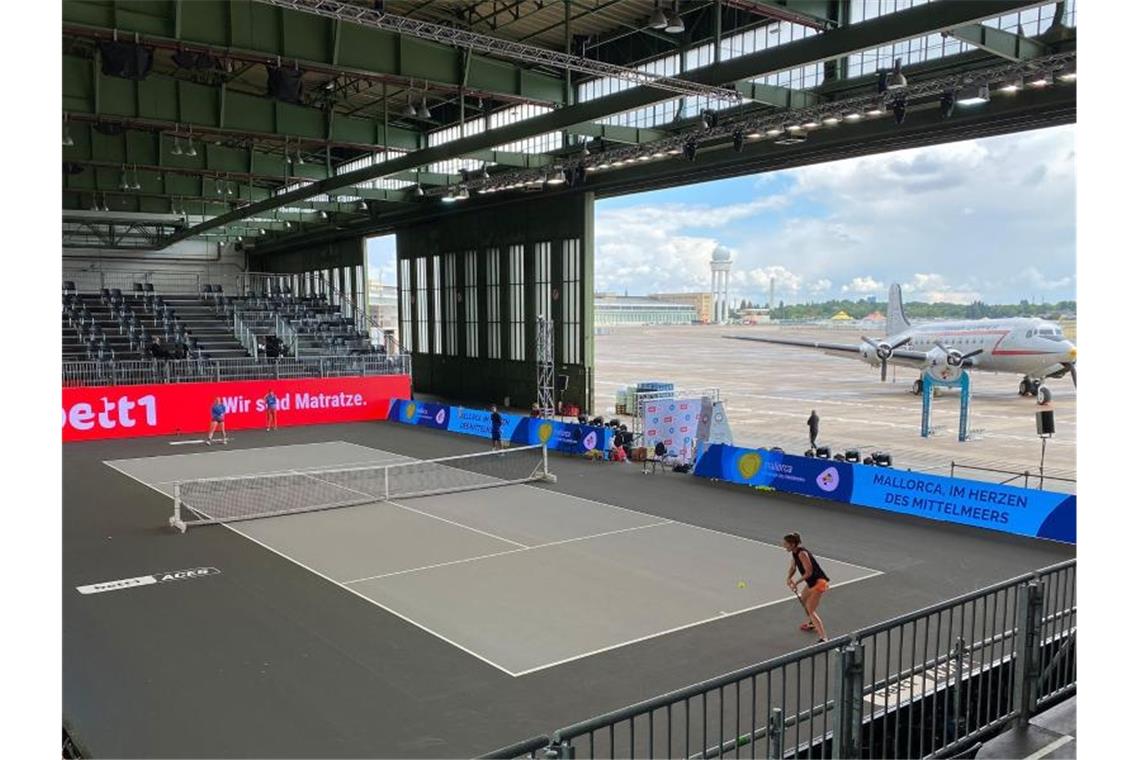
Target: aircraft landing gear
[[1028, 387]]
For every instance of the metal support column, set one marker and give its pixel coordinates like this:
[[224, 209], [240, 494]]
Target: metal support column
[[848, 736], [545, 354], [1028, 663]]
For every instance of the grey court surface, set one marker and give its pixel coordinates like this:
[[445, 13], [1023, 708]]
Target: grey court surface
[[477, 569]]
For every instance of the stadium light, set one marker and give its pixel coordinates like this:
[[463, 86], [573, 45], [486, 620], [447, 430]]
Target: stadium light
[[676, 25], [657, 19], [974, 96]]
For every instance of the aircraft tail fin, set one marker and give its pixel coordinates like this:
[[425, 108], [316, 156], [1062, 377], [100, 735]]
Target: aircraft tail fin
[[896, 316]]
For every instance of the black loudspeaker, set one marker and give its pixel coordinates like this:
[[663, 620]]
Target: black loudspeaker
[[126, 60], [1045, 425], [852, 455], [283, 84], [562, 382], [823, 452]]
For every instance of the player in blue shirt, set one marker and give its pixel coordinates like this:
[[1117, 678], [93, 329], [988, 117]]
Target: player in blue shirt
[[496, 429], [217, 420], [270, 411]]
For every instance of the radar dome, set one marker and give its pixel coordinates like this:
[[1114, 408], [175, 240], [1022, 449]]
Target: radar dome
[[722, 254]]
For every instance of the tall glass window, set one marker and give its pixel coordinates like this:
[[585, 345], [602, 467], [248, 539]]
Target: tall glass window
[[471, 302], [437, 305], [516, 256], [422, 306], [494, 313], [405, 336], [451, 305], [571, 302]]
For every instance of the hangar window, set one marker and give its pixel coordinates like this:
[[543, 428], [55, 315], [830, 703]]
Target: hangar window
[[571, 301], [422, 306], [517, 293], [406, 302], [451, 305], [494, 306], [436, 305], [471, 302]]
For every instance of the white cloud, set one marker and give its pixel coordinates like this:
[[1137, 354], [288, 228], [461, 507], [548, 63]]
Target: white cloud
[[864, 285], [990, 219]]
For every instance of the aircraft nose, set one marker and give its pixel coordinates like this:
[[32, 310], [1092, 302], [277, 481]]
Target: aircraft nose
[[1072, 353]]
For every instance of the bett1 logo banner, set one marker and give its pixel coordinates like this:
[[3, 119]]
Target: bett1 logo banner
[[673, 422], [129, 411]]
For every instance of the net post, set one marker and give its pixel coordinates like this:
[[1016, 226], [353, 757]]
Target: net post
[[176, 518], [546, 474], [386, 491]]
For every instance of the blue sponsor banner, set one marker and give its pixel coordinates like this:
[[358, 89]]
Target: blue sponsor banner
[[1022, 511], [567, 437]]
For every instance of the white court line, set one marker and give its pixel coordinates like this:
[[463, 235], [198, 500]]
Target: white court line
[[698, 527], [723, 616], [321, 575], [452, 522], [510, 551], [1055, 744]]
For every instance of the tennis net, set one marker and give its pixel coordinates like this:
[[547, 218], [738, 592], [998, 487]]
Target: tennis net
[[223, 500]]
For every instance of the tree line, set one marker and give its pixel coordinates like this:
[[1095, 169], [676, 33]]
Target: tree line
[[920, 310]]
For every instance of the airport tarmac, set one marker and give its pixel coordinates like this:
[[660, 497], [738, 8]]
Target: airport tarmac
[[770, 390]]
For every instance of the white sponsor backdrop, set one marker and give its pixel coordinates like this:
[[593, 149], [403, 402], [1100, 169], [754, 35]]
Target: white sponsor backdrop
[[674, 423]]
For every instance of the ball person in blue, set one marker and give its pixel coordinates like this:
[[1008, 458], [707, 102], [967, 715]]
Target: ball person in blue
[[217, 420], [270, 411]]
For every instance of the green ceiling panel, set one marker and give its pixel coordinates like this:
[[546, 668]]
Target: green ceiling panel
[[368, 49], [158, 99], [117, 96], [198, 103], [540, 87], [147, 16], [265, 25], [307, 36], [87, 12], [206, 21], [249, 112], [299, 120], [272, 165], [428, 60]]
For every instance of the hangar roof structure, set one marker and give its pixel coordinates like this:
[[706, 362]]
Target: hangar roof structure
[[285, 123]]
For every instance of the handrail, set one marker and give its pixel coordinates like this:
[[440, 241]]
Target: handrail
[[286, 332], [1015, 473], [244, 335]]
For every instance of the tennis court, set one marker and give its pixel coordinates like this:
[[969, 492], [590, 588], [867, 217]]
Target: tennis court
[[472, 567]]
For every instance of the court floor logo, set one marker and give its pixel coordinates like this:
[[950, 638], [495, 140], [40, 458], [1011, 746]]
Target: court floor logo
[[148, 580]]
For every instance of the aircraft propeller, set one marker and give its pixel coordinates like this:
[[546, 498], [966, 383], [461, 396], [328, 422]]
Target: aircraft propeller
[[956, 358], [884, 351]]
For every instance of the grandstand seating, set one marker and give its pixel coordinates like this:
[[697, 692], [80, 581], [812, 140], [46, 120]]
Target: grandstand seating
[[114, 325], [310, 323]]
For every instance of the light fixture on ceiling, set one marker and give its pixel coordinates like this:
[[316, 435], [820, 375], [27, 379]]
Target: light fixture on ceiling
[[754, 134], [811, 123], [300, 161], [555, 178], [229, 188], [644, 157], [418, 191], [946, 105], [324, 215], [218, 190], [260, 230], [876, 108], [676, 24], [106, 206], [177, 149], [591, 169], [123, 184], [483, 174], [1068, 72], [1038, 79], [831, 120], [409, 109], [974, 96], [190, 150], [1011, 85], [899, 109], [774, 130], [424, 112], [896, 79], [94, 203], [362, 206], [852, 116], [67, 141], [135, 184], [657, 19]]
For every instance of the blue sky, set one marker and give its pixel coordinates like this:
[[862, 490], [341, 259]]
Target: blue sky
[[993, 219]]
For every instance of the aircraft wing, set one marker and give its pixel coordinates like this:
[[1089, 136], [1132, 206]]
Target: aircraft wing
[[902, 356]]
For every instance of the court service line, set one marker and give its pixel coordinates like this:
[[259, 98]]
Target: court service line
[[723, 616], [336, 583], [691, 525], [510, 551]]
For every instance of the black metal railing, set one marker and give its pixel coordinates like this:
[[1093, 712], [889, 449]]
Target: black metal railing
[[927, 684]]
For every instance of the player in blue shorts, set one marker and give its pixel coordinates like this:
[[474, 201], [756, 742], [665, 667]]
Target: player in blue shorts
[[270, 411], [217, 420], [496, 429]]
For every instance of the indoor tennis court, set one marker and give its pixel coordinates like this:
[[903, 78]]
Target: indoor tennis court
[[471, 567]]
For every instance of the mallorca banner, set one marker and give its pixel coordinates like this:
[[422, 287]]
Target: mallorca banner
[[567, 437], [128, 411], [1021, 511]]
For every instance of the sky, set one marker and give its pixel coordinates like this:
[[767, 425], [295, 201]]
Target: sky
[[991, 219]]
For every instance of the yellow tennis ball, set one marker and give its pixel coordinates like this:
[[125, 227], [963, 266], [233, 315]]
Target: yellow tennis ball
[[742, 584]]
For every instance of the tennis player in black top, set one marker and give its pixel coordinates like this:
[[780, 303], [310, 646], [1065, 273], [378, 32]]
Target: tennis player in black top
[[814, 579], [496, 429]]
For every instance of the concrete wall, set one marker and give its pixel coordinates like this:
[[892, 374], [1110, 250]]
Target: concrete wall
[[484, 380], [182, 267]]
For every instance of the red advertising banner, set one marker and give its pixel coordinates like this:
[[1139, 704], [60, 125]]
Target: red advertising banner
[[130, 411]]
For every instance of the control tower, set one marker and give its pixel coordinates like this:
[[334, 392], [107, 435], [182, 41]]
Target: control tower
[[721, 265]]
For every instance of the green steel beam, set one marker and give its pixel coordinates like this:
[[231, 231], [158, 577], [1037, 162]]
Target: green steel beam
[[780, 97], [248, 28], [914, 22], [618, 133], [1013, 47]]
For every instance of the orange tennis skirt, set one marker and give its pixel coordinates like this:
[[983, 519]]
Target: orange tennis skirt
[[820, 586]]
